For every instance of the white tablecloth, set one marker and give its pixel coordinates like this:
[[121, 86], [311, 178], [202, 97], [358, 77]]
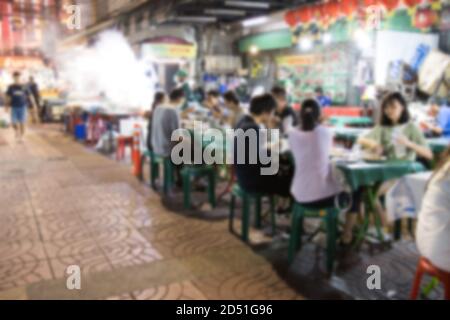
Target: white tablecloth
[[404, 199]]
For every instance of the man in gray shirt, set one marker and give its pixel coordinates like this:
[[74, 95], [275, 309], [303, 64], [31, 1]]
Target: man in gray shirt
[[166, 120]]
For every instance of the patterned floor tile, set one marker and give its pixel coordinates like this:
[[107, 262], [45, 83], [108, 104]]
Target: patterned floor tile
[[260, 283], [74, 248], [16, 274], [174, 291], [15, 228], [22, 251], [88, 264]]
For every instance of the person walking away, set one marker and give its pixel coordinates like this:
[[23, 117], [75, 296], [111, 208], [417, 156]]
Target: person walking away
[[17, 97]]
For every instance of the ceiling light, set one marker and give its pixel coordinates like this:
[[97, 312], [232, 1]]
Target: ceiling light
[[326, 38], [254, 50], [199, 19], [225, 12], [255, 21], [248, 4], [306, 44]]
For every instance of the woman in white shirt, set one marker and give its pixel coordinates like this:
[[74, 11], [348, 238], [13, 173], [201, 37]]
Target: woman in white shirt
[[314, 185], [433, 227]]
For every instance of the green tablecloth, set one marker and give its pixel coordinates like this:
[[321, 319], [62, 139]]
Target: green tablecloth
[[438, 145], [339, 121], [367, 174]]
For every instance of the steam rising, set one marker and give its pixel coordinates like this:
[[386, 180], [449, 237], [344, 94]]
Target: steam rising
[[109, 68]]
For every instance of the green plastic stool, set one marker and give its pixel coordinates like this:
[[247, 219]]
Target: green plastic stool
[[247, 198], [155, 162], [330, 216], [189, 172]]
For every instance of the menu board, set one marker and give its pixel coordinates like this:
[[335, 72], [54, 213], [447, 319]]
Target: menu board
[[329, 68]]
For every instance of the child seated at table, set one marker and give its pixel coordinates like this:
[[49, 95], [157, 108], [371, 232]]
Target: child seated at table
[[314, 184], [394, 138], [433, 227]]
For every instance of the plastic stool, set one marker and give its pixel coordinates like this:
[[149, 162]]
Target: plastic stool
[[122, 143], [330, 215], [189, 172], [425, 266], [247, 198]]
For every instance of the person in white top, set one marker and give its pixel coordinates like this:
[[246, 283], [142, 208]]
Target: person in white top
[[433, 227], [314, 185]]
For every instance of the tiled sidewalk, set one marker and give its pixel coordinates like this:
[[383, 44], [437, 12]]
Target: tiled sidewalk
[[61, 204]]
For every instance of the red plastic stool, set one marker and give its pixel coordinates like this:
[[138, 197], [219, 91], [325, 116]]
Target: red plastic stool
[[425, 266], [122, 143]]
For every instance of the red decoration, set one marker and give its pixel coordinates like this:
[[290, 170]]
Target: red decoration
[[390, 4], [348, 7], [332, 8], [291, 18], [412, 3], [369, 3], [317, 11], [305, 14], [425, 18]]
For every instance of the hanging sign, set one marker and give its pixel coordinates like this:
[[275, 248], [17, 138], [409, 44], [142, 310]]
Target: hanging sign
[[165, 50]]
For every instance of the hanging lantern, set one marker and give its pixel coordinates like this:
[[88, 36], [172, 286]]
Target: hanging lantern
[[369, 3], [304, 14], [390, 5], [333, 9], [412, 3], [425, 18], [349, 7], [317, 11], [290, 18]]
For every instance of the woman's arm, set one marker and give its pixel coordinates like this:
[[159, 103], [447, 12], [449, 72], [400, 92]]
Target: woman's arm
[[371, 144], [422, 151]]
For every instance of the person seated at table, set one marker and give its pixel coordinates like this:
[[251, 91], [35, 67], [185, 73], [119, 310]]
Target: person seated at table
[[165, 120], [314, 184], [250, 175], [433, 226], [395, 138], [441, 125], [285, 115], [158, 99], [235, 111], [322, 98]]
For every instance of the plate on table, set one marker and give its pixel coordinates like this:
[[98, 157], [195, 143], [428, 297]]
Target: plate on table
[[372, 159]]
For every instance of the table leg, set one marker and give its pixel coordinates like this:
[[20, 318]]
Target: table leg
[[370, 210]]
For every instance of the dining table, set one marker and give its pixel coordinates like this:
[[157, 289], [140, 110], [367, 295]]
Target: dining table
[[368, 177], [438, 145], [346, 121]]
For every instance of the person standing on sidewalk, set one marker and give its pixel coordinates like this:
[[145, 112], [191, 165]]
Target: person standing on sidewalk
[[17, 97]]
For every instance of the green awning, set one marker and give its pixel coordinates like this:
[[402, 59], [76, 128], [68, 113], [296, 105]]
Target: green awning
[[280, 39]]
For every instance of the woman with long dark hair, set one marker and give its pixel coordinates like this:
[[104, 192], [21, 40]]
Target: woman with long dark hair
[[433, 227], [314, 184], [395, 138]]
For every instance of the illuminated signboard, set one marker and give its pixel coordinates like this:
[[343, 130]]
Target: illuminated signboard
[[163, 50], [20, 62]]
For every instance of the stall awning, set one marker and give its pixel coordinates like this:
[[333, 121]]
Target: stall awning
[[280, 39]]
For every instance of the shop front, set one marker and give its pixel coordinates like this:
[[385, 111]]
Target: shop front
[[166, 56]]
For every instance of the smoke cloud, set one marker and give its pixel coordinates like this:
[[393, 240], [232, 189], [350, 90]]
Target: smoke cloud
[[109, 68]]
